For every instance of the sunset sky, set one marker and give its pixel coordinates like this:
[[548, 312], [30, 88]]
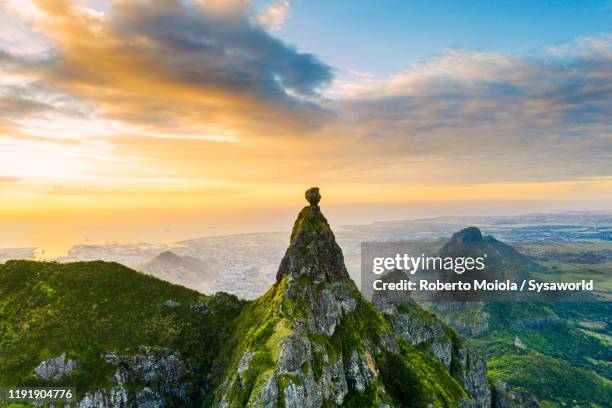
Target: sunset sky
[[157, 120]]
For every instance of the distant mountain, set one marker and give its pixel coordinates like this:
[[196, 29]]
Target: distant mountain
[[560, 363], [28, 253], [184, 270], [500, 262], [127, 339], [503, 261]]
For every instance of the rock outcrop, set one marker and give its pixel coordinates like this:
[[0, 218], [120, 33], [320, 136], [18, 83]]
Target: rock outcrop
[[313, 250], [459, 239], [56, 368], [537, 323], [504, 397], [149, 378], [313, 196]]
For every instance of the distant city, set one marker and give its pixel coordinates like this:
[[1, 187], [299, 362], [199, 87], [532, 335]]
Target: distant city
[[246, 264]]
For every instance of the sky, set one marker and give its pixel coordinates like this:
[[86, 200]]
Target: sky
[[159, 120]]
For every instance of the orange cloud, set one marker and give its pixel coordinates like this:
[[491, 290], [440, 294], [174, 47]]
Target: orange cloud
[[178, 67]]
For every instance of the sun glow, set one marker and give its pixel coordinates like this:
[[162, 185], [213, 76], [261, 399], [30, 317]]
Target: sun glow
[[110, 119]]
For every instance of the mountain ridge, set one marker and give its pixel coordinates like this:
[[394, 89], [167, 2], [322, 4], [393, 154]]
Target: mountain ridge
[[310, 341]]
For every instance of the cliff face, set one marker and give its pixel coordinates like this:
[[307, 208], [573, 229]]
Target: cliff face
[[423, 330], [313, 341]]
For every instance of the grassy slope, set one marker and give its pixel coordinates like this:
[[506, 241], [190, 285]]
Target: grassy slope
[[534, 371], [562, 340], [570, 360], [561, 362], [88, 308]]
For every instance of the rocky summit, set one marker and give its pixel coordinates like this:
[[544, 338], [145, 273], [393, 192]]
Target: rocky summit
[[313, 341], [313, 250], [503, 262], [464, 238]]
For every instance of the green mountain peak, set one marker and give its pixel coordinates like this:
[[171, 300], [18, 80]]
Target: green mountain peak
[[313, 250]]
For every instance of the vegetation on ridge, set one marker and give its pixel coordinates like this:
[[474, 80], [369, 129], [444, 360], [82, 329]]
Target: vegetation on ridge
[[87, 309]]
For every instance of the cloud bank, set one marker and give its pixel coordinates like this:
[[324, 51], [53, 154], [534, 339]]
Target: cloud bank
[[177, 64], [546, 115], [205, 90]]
